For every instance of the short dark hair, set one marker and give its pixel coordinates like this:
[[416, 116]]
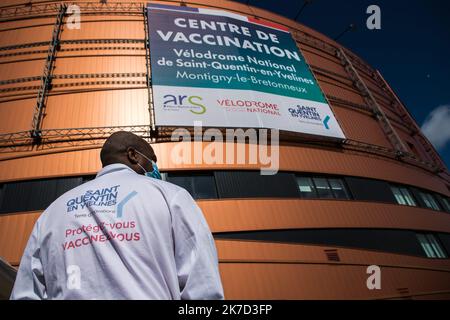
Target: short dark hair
[[115, 147]]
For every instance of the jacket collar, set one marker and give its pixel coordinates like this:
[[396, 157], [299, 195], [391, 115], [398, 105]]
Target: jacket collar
[[113, 168]]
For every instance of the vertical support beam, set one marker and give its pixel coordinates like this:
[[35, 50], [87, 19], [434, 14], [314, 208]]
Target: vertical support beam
[[46, 77], [390, 132], [148, 73]]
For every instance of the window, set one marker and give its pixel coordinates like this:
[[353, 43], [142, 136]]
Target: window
[[87, 178], [429, 201], [306, 187], [446, 203], [339, 189], [431, 246], [34, 195], [403, 196], [199, 185], [386, 240], [1, 194], [370, 190], [251, 184], [324, 188]]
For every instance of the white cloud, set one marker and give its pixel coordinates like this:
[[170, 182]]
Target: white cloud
[[437, 126]]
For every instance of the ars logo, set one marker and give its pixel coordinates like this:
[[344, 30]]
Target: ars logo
[[180, 101]]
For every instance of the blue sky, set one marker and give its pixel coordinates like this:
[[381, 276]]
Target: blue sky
[[412, 50]]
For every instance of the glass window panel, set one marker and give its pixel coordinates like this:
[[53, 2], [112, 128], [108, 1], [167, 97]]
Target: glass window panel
[[306, 187], [429, 201], [182, 181], [200, 186], [407, 196], [425, 200], [339, 189], [433, 202], [398, 196], [436, 246], [446, 203], [205, 187], [1, 196], [426, 246], [323, 188]]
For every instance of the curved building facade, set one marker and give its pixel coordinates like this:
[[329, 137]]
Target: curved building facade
[[378, 198]]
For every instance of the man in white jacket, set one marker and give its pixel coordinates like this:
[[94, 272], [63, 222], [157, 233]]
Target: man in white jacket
[[124, 235]]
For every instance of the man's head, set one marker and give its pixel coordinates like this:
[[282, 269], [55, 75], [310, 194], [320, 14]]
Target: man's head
[[127, 148]]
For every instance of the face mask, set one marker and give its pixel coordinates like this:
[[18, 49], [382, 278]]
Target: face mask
[[155, 172]]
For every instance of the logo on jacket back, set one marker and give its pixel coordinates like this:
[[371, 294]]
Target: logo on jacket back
[[104, 197]]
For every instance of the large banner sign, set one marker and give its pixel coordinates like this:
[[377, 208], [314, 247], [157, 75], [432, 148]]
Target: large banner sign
[[228, 70]]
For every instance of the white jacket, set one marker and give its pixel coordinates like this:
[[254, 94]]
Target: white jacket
[[120, 236]]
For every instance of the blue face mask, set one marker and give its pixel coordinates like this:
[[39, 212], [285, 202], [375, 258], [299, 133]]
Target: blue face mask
[[155, 172]]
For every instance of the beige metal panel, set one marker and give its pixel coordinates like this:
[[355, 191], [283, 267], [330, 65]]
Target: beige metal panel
[[321, 281], [323, 61], [22, 56], [97, 109], [106, 30], [374, 87], [250, 250], [292, 158], [100, 64], [21, 69], [314, 50], [254, 214], [16, 116], [15, 230], [30, 22], [26, 35], [335, 81], [391, 113], [237, 253], [52, 165], [341, 92], [123, 18], [90, 50], [357, 125]]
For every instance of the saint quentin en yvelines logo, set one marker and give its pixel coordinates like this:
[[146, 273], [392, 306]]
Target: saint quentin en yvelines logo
[[177, 102], [104, 197], [309, 113]]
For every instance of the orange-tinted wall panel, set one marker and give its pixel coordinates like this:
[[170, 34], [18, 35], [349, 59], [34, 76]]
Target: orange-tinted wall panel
[[26, 35], [16, 115], [292, 158], [320, 281], [253, 214], [343, 92], [100, 64], [97, 29], [13, 70], [357, 124], [97, 109]]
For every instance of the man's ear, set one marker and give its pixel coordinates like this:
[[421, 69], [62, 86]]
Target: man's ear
[[132, 155]]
